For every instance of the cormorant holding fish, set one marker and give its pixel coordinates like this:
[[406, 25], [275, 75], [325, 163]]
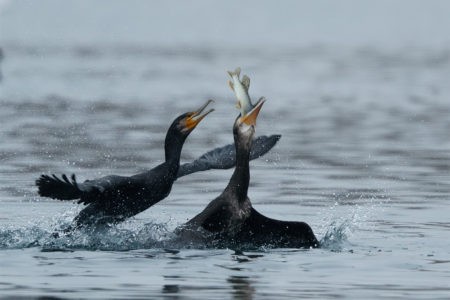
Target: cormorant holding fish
[[112, 199], [231, 218]]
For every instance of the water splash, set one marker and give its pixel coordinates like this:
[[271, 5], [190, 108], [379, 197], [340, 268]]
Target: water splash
[[18, 238], [342, 223], [109, 238], [335, 238], [122, 237]]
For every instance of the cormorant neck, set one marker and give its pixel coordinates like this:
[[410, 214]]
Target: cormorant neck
[[240, 179], [172, 147]]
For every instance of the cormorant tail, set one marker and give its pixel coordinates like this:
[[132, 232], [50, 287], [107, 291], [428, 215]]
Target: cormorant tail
[[57, 188], [225, 157]]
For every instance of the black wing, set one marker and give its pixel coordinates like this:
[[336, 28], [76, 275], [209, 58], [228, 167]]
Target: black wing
[[225, 157], [89, 191], [58, 188]]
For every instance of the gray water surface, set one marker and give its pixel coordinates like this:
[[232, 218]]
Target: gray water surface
[[364, 159]]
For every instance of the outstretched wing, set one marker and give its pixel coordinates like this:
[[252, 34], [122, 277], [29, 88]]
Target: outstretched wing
[[89, 191], [105, 188], [58, 188], [225, 157]]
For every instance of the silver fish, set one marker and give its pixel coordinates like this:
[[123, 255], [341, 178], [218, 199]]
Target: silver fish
[[240, 88]]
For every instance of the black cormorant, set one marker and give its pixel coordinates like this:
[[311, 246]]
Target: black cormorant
[[231, 218], [114, 198]]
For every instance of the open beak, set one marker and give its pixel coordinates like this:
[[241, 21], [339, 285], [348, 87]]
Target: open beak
[[196, 116], [250, 117]]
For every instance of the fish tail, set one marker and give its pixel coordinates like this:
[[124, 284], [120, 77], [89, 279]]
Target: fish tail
[[236, 72]]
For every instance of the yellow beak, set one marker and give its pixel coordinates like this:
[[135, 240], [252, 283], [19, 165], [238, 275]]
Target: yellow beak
[[196, 116], [251, 116]]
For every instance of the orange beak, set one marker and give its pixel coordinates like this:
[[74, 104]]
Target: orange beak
[[251, 116], [196, 116]]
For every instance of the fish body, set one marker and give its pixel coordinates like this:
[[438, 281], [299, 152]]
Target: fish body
[[240, 88]]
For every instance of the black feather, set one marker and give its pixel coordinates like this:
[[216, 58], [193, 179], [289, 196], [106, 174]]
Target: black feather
[[225, 157], [56, 188]]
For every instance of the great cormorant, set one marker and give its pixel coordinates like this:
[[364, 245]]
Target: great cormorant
[[114, 198], [231, 219]]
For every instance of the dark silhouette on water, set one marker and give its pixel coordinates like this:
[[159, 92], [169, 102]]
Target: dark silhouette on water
[[231, 218], [225, 157], [114, 198]]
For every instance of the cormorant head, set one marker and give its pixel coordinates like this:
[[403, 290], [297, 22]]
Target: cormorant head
[[244, 126], [187, 122]]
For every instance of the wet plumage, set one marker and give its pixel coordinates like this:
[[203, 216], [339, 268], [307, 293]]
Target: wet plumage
[[114, 198], [231, 218]]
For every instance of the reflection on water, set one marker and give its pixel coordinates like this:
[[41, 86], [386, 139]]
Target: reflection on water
[[242, 288]]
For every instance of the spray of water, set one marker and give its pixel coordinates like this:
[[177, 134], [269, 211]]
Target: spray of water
[[342, 223], [52, 235]]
